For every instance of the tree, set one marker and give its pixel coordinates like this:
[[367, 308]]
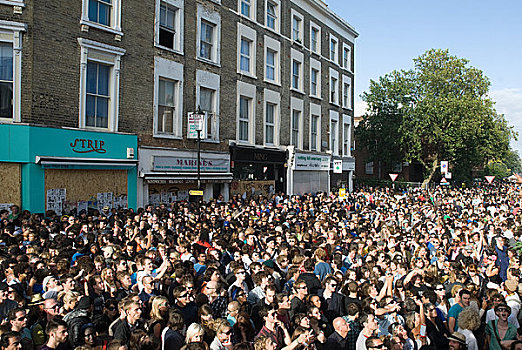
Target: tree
[[439, 110]]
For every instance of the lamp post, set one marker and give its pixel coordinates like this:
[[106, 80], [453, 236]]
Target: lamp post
[[199, 126]]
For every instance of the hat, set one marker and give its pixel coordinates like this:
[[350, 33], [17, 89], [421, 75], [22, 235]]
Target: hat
[[36, 299], [511, 285], [105, 208], [503, 305], [50, 294], [269, 263], [45, 281], [458, 337], [84, 303], [270, 239]]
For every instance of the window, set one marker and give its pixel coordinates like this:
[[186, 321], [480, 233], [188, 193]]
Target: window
[[206, 103], [346, 138], [167, 107], [209, 35], [6, 80], [246, 7], [346, 95], [102, 14], [296, 71], [206, 40], [369, 168], [333, 50], [99, 85], [270, 65], [98, 96], [314, 37], [270, 123], [207, 95], [314, 127], [346, 58], [313, 81], [245, 55], [169, 24], [244, 118], [271, 14], [334, 131], [333, 90], [297, 27], [295, 135]]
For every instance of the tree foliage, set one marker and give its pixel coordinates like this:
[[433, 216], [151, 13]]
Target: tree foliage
[[439, 110]]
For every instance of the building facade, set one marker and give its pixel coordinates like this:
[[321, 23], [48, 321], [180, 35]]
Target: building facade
[[272, 79]]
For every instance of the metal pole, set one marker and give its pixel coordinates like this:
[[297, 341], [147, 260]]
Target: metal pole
[[199, 159]]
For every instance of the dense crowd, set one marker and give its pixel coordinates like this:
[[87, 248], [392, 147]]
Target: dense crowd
[[377, 269]]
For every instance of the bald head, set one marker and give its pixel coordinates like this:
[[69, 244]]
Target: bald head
[[341, 326], [211, 288]]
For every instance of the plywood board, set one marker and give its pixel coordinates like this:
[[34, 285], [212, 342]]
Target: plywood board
[[11, 188]]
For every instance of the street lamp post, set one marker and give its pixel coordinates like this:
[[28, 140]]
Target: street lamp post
[[199, 126]]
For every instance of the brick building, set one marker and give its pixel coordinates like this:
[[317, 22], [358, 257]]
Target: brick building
[[96, 98]]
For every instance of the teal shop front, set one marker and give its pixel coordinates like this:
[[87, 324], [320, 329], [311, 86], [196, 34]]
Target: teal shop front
[[65, 169]]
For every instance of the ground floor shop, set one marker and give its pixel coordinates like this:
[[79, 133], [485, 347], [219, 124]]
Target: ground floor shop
[[62, 170], [168, 175], [342, 173], [257, 171], [308, 172]]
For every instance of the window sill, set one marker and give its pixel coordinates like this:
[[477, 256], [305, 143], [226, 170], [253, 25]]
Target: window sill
[[246, 74], [242, 16], [335, 104], [210, 141], [169, 49], [315, 97], [273, 82], [12, 3], [92, 128], [317, 54], [101, 27], [7, 121], [204, 60], [301, 92], [166, 136], [275, 31], [298, 43]]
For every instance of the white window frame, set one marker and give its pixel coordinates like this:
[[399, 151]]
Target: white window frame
[[11, 32], [335, 40], [178, 25], [274, 98], [248, 91], [296, 15], [105, 54], [334, 133], [246, 33], [173, 71], [347, 61], [20, 3], [347, 135], [318, 28], [315, 111], [275, 46], [315, 65], [253, 9], [347, 95], [277, 23], [210, 81], [298, 57], [333, 89], [213, 18], [297, 104], [114, 28]]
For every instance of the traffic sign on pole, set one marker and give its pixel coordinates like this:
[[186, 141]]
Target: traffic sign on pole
[[393, 177], [490, 179]]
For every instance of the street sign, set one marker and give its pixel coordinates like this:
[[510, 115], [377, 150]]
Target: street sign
[[444, 181], [444, 167], [195, 193], [338, 166], [447, 175], [393, 176], [196, 121], [490, 179]]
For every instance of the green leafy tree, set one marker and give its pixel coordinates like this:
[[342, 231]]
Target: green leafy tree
[[439, 110]]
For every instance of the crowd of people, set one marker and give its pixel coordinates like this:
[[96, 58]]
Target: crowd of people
[[377, 269]]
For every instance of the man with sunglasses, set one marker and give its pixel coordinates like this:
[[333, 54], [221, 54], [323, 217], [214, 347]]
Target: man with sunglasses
[[333, 301], [18, 321], [374, 343], [186, 306]]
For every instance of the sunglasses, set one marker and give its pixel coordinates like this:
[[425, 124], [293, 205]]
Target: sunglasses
[[21, 318], [377, 347], [227, 332], [504, 310]]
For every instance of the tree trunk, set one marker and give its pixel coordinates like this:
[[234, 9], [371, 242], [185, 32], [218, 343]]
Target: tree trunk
[[427, 180]]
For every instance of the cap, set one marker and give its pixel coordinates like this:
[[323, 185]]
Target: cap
[[84, 303], [458, 337], [269, 263], [36, 299], [45, 281]]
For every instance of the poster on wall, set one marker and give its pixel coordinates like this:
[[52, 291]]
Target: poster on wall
[[183, 195], [251, 189], [6, 206], [55, 199], [120, 202], [104, 199]]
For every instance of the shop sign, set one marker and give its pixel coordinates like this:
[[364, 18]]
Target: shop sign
[[162, 163], [87, 146], [261, 156], [196, 192], [311, 162], [196, 122], [349, 164]]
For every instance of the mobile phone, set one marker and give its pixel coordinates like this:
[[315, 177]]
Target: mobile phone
[[423, 330]]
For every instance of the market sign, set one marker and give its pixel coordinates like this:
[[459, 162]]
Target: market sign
[[195, 122], [161, 163], [304, 161]]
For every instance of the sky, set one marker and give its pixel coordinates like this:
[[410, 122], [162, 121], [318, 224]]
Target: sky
[[487, 33]]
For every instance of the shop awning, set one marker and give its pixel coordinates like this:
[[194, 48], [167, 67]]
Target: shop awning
[[173, 177], [68, 162]]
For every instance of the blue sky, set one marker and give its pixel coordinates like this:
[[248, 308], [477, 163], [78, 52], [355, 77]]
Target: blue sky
[[487, 33]]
